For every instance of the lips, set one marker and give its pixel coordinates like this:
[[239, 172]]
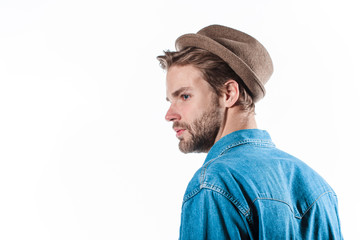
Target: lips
[[179, 131]]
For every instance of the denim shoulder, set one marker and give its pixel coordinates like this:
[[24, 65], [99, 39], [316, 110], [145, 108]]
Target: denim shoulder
[[218, 175], [245, 180]]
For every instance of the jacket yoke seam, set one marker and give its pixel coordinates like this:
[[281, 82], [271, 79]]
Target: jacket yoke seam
[[300, 216], [227, 195]]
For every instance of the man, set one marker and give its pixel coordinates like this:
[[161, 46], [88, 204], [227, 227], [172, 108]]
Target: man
[[246, 188]]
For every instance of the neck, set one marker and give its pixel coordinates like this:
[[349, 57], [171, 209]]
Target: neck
[[234, 120]]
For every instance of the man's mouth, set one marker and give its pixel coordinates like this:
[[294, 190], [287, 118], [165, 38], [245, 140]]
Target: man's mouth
[[179, 131]]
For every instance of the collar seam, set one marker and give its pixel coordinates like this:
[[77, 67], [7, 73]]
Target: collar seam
[[264, 143]]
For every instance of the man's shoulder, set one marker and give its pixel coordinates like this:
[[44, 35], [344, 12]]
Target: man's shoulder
[[248, 175], [218, 174]]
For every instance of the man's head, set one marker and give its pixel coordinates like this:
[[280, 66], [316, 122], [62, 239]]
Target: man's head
[[196, 80], [195, 110], [202, 87]]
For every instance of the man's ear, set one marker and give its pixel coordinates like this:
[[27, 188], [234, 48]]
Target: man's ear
[[231, 93]]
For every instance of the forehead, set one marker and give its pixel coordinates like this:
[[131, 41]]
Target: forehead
[[186, 76]]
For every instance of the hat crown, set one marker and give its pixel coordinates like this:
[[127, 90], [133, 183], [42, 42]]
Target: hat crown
[[244, 54], [243, 45]]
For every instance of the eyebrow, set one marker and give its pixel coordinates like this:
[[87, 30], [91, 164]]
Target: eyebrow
[[178, 92]]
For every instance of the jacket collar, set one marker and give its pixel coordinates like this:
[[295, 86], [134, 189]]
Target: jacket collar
[[240, 137]]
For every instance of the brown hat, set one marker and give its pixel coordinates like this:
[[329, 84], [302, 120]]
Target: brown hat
[[244, 54]]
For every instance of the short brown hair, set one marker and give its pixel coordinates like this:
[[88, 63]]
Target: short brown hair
[[215, 71]]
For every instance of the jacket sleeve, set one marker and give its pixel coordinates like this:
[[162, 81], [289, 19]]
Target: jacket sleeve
[[210, 215]]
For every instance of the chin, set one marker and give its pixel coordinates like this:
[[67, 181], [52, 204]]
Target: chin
[[185, 148]]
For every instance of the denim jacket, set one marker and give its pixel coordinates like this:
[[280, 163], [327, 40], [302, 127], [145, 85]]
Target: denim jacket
[[249, 189]]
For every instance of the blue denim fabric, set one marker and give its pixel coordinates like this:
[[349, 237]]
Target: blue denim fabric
[[249, 189]]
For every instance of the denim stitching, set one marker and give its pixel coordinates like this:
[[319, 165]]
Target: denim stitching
[[242, 142], [225, 194], [272, 199], [292, 210], [233, 200], [260, 143], [191, 194], [228, 196], [245, 211], [328, 192], [203, 172], [204, 168]]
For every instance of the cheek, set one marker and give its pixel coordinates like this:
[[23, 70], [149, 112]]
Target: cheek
[[189, 112]]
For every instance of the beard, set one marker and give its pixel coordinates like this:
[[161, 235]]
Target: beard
[[202, 131]]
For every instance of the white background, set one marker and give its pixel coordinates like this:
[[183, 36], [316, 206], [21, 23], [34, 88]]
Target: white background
[[85, 152]]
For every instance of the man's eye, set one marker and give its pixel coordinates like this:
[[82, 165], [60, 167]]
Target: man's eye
[[185, 96]]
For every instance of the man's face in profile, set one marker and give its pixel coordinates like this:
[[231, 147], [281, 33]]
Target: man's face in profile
[[194, 110]]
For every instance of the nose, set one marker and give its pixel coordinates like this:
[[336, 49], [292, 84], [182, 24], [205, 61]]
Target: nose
[[172, 115]]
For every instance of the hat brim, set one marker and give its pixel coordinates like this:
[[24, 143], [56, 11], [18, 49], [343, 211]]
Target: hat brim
[[251, 80]]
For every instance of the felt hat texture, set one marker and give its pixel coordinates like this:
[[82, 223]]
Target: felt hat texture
[[244, 54]]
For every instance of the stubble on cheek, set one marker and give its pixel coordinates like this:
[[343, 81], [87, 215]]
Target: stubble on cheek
[[202, 133]]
